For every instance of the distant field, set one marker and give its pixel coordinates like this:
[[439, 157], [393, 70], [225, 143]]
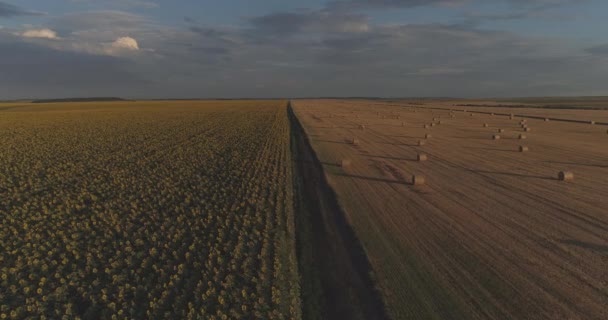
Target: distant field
[[493, 234], [147, 210], [574, 102]]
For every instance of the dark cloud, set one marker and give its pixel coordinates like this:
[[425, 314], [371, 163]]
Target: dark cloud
[[285, 23], [9, 10], [601, 50], [365, 4], [31, 70], [98, 21], [324, 52]]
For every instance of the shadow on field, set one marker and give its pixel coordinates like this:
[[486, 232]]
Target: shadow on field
[[390, 158], [513, 174], [335, 273], [373, 179], [331, 141], [578, 164], [586, 245], [471, 138], [492, 149]]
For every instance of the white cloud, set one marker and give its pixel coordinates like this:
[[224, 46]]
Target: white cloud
[[126, 43], [40, 33]]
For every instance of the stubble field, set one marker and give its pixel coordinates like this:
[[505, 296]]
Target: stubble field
[[493, 233]]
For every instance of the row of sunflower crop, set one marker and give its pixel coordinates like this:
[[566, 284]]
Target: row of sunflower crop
[[181, 212]]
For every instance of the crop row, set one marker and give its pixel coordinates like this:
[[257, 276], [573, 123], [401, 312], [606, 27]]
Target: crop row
[[149, 213]]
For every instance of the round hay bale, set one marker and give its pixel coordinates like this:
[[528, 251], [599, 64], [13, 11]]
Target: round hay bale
[[403, 124], [422, 157], [501, 130], [492, 114], [546, 119], [591, 122], [421, 143], [432, 124], [428, 136], [426, 126], [418, 180], [471, 114], [354, 141], [523, 149], [485, 125], [522, 137], [496, 137], [362, 127], [345, 163], [526, 129], [440, 122], [565, 176]]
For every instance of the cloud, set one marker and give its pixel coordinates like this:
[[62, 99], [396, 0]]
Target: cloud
[[601, 50], [126, 43], [98, 22], [40, 33], [310, 21], [9, 10], [320, 52], [342, 5], [121, 3], [35, 70]]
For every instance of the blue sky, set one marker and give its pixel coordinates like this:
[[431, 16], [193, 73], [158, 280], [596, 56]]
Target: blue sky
[[272, 48]]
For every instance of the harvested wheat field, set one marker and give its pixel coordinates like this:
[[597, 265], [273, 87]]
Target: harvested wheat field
[[489, 230]]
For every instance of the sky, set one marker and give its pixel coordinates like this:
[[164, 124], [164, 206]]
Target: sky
[[158, 49]]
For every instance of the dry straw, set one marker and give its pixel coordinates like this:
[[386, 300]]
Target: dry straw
[[345, 163], [418, 180], [565, 176]]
